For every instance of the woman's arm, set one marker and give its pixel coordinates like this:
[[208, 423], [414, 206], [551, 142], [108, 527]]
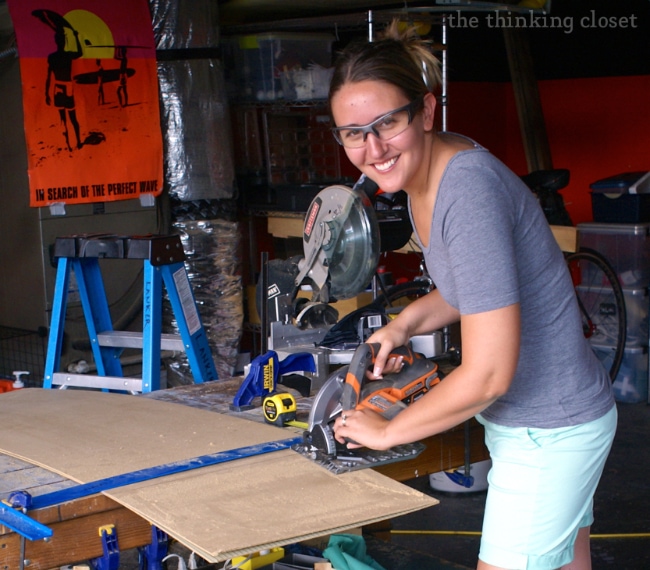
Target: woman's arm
[[490, 343], [424, 315]]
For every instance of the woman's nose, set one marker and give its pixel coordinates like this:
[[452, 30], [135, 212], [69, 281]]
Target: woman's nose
[[374, 145]]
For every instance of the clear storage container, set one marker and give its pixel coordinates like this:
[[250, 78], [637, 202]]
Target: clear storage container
[[625, 246], [278, 66], [631, 384], [637, 305]]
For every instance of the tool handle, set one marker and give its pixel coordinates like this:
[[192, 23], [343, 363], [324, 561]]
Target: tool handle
[[363, 357]]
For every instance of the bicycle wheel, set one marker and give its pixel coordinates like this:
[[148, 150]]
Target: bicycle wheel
[[602, 305]]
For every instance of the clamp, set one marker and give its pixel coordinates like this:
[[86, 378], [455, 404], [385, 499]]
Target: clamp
[[152, 555], [110, 560], [264, 374]]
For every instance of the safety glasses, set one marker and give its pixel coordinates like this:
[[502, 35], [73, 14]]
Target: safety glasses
[[386, 127]]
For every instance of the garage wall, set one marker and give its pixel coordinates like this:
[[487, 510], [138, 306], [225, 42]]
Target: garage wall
[[597, 127]]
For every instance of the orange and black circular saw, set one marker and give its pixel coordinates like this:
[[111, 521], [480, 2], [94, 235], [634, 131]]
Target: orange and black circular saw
[[350, 388]]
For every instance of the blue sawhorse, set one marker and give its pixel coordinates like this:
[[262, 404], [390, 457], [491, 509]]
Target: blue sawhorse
[[163, 258]]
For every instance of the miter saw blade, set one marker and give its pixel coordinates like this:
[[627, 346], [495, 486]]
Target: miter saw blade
[[341, 242]]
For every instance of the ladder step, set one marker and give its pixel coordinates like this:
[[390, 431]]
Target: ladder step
[[129, 339], [64, 380]]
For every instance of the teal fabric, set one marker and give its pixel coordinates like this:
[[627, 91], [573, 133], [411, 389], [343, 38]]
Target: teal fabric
[[348, 552]]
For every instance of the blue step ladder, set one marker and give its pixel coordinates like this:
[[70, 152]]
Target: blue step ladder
[[163, 258]]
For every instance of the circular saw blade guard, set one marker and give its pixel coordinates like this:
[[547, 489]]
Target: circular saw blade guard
[[340, 242]]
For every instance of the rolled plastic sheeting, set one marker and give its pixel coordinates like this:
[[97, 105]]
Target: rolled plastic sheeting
[[212, 249], [196, 127]]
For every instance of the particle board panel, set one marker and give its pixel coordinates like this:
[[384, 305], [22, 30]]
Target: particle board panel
[[219, 511]]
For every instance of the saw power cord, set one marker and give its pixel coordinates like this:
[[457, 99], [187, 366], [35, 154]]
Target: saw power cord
[[191, 563], [181, 562], [479, 533]]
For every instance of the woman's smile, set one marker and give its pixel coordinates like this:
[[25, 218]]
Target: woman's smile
[[387, 165]]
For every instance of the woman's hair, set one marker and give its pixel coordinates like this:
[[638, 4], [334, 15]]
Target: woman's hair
[[398, 57]]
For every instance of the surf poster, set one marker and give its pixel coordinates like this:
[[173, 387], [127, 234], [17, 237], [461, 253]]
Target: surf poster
[[90, 100]]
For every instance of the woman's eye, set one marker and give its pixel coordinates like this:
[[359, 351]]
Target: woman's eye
[[386, 122]]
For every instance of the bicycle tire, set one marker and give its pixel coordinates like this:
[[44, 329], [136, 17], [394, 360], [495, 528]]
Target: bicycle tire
[[602, 306]]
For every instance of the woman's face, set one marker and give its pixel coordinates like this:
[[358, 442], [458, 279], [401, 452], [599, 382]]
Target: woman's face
[[395, 164]]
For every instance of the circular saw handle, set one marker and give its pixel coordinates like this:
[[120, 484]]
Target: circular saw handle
[[363, 357]]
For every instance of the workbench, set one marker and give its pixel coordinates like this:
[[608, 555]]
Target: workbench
[[75, 523]]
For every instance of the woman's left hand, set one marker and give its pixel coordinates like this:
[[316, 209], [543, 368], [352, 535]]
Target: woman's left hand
[[361, 428]]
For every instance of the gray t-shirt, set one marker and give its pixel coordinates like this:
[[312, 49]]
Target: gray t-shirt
[[490, 246]]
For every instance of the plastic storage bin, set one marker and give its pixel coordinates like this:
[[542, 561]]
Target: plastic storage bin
[[278, 67], [617, 199], [626, 247], [637, 306], [631, 384]]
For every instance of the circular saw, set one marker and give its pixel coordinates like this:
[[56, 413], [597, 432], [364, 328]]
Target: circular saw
[[341, 244]]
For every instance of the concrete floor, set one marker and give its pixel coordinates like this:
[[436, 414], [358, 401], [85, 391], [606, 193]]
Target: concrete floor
[[622, 507]]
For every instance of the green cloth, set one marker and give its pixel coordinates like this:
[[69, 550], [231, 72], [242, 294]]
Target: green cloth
[[348, 552]]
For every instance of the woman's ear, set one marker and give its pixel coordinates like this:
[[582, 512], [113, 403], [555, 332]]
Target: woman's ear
[[429, 110]]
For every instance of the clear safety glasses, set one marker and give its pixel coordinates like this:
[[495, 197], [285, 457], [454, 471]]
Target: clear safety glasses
[[384, 128]]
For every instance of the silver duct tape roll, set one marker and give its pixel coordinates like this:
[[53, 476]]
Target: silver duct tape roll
[[212, 248]]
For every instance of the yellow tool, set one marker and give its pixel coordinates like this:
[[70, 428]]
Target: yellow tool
[[280, 410], [257, 560]]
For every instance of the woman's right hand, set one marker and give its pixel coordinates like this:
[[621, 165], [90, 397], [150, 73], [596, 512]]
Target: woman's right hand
[[389, 337]]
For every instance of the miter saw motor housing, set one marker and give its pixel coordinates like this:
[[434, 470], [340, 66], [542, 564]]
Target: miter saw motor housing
[[341, 250], [344, 231]]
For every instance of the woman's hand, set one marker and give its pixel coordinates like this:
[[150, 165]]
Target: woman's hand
[[389, 337], [361, 428]]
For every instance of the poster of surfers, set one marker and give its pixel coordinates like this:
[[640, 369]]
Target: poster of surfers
[[90, 99]]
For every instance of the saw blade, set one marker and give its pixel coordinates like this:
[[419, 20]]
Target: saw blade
[[326, 405], [341, 238]]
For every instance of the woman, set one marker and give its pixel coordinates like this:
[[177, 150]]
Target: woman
[[527, 373]]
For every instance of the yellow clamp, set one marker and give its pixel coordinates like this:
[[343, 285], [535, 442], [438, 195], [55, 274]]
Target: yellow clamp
[[108, 528]]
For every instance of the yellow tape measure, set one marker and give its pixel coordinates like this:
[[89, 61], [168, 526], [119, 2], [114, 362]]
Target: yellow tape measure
[[280, 410]]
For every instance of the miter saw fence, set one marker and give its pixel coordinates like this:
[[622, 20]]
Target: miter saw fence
[[349, 388]]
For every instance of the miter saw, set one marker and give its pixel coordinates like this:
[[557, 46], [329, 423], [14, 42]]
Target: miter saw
[[349, 388], [343, 235]]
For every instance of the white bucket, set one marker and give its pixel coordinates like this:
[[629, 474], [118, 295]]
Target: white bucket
[[455, 481]]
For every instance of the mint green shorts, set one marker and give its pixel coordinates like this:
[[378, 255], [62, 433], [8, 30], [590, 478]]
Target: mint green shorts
[[541, 489]]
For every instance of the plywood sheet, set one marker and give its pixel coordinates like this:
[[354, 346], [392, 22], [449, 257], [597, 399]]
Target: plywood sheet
[[219, 511]]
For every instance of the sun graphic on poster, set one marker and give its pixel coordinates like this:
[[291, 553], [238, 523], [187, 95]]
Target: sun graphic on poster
[[95, 36]]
